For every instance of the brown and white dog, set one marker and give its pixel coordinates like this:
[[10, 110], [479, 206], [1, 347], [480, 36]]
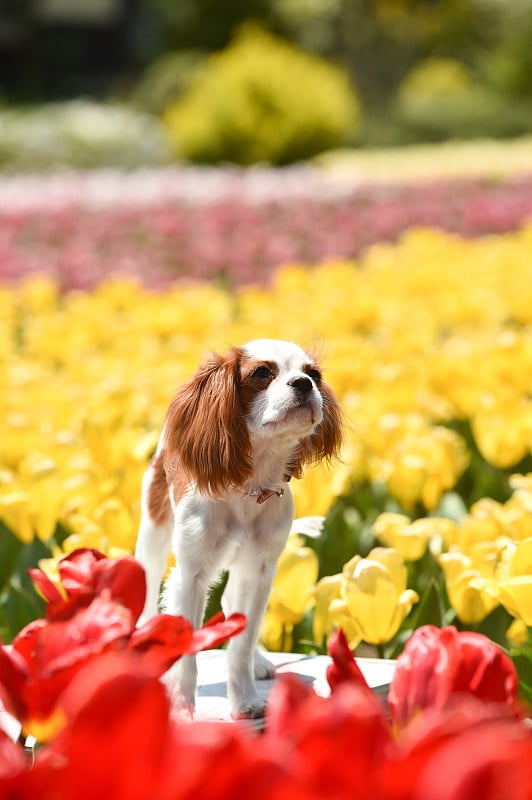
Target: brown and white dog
[[217, 491]]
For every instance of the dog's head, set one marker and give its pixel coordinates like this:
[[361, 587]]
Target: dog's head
[[267, 390]]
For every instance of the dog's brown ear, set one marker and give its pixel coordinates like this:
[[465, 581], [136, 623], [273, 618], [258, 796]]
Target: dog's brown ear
[[326, 440], [206, 433]]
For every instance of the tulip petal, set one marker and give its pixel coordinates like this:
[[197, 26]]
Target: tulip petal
[[161, 641], [165, 638], [13, 675], [344, 668], [216, 631], [86, 573], [438, 663], [47, 588]]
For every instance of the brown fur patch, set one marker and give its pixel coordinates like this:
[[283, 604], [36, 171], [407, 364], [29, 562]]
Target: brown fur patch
[[206, 430], [158, 496]]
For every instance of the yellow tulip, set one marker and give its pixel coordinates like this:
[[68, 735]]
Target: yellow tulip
[[326, 591], [516, 596], [517, 633], [39, 293], [521, 483], [15, 511], [116, 523], [292, 590], [273, 634], [87, 377], [320, 486], [515, 560], [470, 593], [516, 515], [375, 596], [408, 538], [421, 465], [501, 430]]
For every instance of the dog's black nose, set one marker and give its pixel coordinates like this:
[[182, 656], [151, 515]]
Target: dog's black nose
[[301, 384]]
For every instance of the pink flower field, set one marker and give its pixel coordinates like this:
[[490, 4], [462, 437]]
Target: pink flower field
[[188, 223]]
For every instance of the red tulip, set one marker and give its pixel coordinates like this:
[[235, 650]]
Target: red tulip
[[84, 573], [93, 611], [468, 750], [344, 668], [45, 656], [438, 663], [334, 745], [165, 638], [121, 742], [12, 761]]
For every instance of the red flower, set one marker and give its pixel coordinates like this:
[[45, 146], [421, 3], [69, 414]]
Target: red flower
[[119, 738], [438, 663], [11, 761], [165, 638], [344, 668], [466, 751], [103, 601], [45, 655], [84, 573], [121, 742], [334, 746]]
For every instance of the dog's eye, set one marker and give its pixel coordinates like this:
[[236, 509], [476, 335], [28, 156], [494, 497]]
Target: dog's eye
[[315, 374], [262, 373]]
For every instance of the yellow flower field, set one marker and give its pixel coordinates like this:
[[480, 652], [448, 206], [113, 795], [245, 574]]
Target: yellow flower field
[[414, 337]]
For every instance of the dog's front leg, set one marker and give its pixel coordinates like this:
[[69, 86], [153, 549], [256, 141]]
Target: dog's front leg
[[247, 592], [185, 595]]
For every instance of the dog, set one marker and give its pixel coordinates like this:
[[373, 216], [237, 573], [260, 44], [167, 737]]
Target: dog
[[217, 490]]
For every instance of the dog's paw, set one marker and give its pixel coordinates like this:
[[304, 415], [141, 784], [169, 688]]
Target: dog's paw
[[182, 700], [251, 708], [263, 669]]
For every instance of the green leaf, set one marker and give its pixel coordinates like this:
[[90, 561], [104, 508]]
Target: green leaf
[[429, 610], [19, 602], [18, 607], [522, 658], [10, 549], [214, 601], [495, 625]]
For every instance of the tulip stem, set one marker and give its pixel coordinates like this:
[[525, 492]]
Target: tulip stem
[[380, 650]]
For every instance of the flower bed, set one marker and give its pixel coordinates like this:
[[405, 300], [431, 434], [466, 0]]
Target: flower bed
[[427, 344], [457, 726], [181, 223]]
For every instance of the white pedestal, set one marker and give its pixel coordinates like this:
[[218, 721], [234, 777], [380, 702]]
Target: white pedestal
[[211, 700]]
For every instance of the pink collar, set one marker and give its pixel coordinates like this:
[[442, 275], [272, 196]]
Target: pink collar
[[262, 494]]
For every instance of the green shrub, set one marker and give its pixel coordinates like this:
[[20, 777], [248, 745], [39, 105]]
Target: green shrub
[[435, 78], [79, 134], [440, 99], [263, 100]]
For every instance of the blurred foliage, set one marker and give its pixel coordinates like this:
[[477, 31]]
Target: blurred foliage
[[79, 134], [380, 43], [167, 78], [378, 40], [263, 100], [441, 99], [508, 65], [206, 24], [404, 55], [436, 77]]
